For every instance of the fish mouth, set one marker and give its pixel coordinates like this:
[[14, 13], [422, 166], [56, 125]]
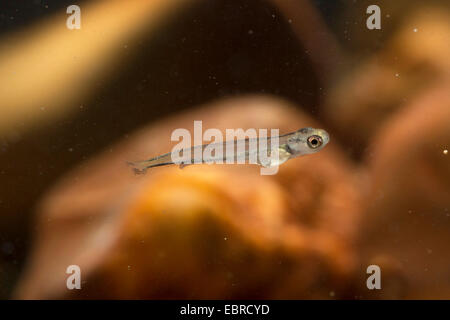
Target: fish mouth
[[325, 136]]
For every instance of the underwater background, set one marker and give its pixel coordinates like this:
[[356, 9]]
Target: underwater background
[[76, 105]]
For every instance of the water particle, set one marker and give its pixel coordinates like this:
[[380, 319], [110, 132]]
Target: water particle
[[415, 29], [445, 151]]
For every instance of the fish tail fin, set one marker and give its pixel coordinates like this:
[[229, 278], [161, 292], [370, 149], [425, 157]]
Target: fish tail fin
[[140, 167]]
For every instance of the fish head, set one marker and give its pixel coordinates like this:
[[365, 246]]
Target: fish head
[[308, 140]]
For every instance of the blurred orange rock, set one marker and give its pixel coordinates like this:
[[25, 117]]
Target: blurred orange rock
[[408, 209], [414, 59], [207, 231]]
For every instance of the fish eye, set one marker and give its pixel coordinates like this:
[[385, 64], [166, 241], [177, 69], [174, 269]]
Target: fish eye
[[314, 141]]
